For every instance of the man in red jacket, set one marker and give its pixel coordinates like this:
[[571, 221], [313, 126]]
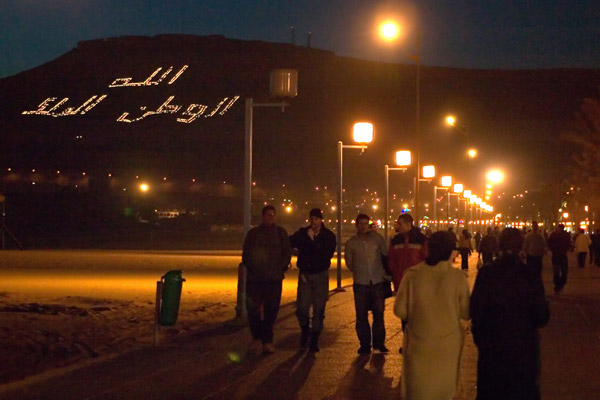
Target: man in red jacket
[[407, 248]]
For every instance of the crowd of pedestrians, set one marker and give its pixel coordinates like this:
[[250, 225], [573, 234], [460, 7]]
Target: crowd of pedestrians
[[506, 307]]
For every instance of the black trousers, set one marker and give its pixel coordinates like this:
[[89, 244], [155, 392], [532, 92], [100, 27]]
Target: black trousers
[[534, 263], [464, 254], [560, 267], [369, 297], [488, 258], [581, 259], [267, 294]]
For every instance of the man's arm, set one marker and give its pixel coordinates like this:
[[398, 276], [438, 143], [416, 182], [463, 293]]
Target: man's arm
[[348, 255], [286, 249], [247, 248]]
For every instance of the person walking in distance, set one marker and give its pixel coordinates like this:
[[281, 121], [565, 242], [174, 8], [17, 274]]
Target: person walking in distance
[[314, 245], [582, 247], [507, 309], [266, 254], [488, 247], [559, 243], [465, 248], [366, 255], [534, 249]]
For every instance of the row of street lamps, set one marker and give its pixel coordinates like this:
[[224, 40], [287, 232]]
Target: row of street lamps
[[363, 135]]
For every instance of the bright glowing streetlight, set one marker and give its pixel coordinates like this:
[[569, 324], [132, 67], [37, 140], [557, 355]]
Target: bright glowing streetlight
[[472, 153], [389, 30], [450, 120], [363, 134], [446, 183], [403, 158], [495, 176], [428, 171], [144, 187]]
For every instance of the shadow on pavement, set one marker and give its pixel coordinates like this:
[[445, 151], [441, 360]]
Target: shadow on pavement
[[366, 379]]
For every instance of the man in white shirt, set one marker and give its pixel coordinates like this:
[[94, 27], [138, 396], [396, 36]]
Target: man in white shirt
[[365, 254]]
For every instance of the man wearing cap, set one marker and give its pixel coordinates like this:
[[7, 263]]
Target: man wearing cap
[[314, 246]]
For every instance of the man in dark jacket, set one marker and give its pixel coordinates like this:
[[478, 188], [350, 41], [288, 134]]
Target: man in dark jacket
[[315, 245], [488, 247], [407, 248], [266, 255], [559, 243], [507, 308]]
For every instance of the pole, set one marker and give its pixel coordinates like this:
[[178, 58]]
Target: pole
[[418, 126], [466, 215], [448, 207], [437, 225], [248, 167], [387, 202], [157, 311], [339, 217], [3, 224]]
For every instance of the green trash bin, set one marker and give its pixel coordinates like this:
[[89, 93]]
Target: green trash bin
[[171, 295]]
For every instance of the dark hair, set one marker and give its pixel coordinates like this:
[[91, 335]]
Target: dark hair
[[407, 218], [267, 208], [466, 234], [561, 227], [362, 216], [440, 246], [511, 241], [534, 224]]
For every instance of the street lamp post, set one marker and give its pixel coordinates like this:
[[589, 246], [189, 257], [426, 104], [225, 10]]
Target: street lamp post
[[389, 31], [403, 160], [363, 133], [446, 182], [467, 197]]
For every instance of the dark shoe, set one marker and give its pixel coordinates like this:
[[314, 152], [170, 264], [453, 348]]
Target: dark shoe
[[364, 350], [314, 342], [268, 348], [382, 349], [400, 350], [304, 337]]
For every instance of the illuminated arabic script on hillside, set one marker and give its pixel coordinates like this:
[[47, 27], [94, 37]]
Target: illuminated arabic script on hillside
[[54, 107]]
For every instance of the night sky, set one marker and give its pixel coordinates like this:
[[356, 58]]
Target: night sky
[[460, 33]]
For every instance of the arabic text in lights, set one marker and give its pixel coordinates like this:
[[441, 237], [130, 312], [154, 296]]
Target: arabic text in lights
[[126, 82], [46, 107]]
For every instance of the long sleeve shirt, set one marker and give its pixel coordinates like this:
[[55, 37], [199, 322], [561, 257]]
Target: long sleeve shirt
[[267, 253], [534, 245], [364, 257]]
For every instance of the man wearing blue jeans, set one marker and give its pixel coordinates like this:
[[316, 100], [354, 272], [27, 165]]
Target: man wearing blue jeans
[[314, 245], [365, 254]]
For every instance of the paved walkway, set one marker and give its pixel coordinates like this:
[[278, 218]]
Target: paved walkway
[[214, 365]]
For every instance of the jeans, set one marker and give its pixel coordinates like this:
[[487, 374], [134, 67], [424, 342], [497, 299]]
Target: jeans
[[581, 259], [369, 297], [312, 290], [560, 265], [267, 294], [535, 266]]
